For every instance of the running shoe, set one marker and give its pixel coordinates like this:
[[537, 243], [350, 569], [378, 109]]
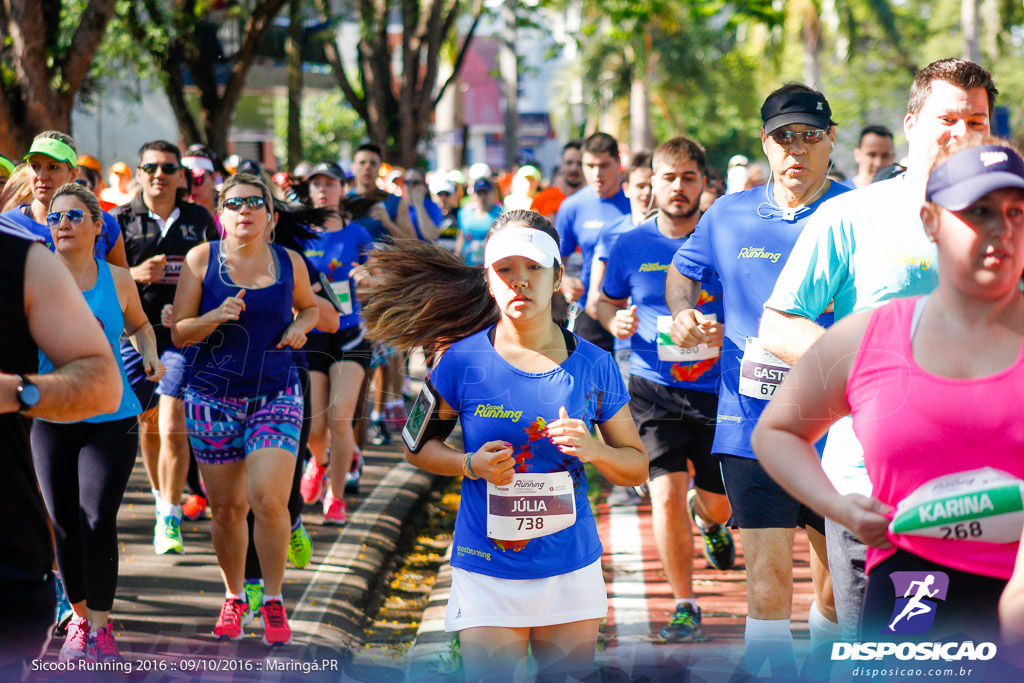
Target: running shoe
[[314, 478], [194, 506], [229, 624], [167, 536], [102, 647], [300, 548], [719, 546], [379, 434], [354, 472], [395, 417], [335, 511], [64, 611], [254, 598], [624, 495], [76, 643], [684, 626], [275, 624]]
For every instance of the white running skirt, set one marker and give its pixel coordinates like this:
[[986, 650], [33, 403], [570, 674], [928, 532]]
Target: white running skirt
[[481, 600]]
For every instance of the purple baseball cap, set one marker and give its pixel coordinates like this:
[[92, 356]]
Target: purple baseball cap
[[970, 174]]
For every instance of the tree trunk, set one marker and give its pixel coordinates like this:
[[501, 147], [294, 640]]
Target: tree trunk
[[448, 124], [811, 34], [293, 54], [969, 28], [641, 137], [510, 81]]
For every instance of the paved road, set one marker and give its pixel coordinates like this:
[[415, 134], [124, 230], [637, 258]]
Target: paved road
[[167, 605]]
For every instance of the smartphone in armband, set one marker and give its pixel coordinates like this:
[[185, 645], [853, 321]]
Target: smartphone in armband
[[425, 422], [328, 293]]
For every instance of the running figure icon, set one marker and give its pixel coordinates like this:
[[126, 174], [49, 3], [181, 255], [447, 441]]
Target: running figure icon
[[915, 607]]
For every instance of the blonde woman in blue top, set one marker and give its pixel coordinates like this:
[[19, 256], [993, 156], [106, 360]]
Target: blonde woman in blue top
[[526, 557], [83, 467], [247, 303]]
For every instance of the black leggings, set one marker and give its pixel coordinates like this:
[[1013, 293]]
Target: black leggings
[[83, 470], [295, 502]]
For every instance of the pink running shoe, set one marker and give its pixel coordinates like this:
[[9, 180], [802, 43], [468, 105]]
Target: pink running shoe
[[102, 647], [335, 511], [275, 621], [76, 643], [229, 625], [313, 479], [395, 416], [194, 506]]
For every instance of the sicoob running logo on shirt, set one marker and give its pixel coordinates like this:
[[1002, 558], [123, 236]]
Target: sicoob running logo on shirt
[[914, 612]]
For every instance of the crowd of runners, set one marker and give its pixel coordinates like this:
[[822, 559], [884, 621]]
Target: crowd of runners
[[722, 344]]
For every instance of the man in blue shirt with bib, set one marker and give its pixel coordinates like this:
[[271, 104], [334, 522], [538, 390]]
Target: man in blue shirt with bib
[[746, 238], [673, 390], [583, 216]]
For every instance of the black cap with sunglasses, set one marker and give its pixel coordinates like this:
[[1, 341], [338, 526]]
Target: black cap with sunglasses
[[787, 108]]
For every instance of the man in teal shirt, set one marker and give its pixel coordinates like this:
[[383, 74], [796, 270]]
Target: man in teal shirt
[[859, 250]]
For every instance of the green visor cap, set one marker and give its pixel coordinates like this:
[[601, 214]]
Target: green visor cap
[[53, 148], [6, 164]]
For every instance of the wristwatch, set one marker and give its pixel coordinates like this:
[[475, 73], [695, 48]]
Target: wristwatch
[[28, 394]]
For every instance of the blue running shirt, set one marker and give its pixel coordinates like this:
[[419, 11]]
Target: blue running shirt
[[747, 242], [333, 254], [579, 223], [497, 401], [637, 267]]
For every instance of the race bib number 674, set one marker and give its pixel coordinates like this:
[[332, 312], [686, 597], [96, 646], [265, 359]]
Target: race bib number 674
[[761, 372]]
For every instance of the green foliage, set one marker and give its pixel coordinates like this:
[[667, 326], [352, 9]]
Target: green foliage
[[327, 122]]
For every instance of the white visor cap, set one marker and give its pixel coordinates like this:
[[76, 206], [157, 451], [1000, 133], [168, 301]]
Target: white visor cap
[[535, 245]]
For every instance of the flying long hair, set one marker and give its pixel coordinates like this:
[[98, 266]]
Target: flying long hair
[[421, 294]]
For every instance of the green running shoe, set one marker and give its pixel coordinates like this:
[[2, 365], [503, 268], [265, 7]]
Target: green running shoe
[[254, 596], [167, 536], [719, 546], [684, 626], [300, 549]]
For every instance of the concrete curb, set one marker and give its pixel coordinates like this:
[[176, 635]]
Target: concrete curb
[[332, 611]]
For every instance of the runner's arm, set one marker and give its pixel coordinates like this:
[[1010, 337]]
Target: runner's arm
[[86, 381], [597, 271], [809, 400], [136, 324], [493, 462], [621, 458], [786, 335], [1011, 603]]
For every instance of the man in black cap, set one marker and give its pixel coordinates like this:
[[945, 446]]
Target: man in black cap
[[746, 238], [859, 251]]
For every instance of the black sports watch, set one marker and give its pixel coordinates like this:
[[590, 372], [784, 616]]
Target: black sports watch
[[28, 394]]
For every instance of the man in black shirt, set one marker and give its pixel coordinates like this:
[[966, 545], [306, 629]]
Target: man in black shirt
[[159, 228], [42, 309]]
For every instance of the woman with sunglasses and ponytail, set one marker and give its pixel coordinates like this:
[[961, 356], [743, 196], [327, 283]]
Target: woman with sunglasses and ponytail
[[526, 560], [51, 162], [83, 467], [247, 303]]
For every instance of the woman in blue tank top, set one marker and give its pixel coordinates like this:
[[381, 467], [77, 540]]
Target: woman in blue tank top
[[83, 467], [526, 557], [237, 299]]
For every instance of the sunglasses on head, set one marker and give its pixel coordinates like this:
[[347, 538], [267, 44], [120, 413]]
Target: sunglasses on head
[[168, 168], [75, 217], [235, 203], [810, 137]]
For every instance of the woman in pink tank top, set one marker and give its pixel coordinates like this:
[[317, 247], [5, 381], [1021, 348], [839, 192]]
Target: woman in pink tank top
[[934, 385]]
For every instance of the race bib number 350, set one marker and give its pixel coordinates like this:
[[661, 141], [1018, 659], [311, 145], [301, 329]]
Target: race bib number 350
[[668, 351], [533, 505], [761, 372]]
